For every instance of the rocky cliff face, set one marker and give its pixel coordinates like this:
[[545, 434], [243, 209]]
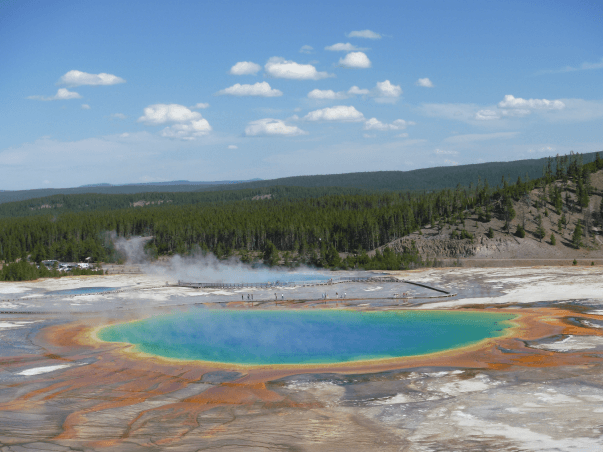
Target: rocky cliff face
[[451, 248]]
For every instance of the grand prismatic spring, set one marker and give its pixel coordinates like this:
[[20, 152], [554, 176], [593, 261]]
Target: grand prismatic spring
[[304, 337]]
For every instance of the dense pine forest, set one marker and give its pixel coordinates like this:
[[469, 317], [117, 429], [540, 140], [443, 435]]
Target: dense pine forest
[[310, 225]]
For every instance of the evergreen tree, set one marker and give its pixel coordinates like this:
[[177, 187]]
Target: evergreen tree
[[553, 240], [520, 232], [577, 235], [539, 228]]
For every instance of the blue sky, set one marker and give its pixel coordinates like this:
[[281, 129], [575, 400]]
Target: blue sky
[[144, 91]]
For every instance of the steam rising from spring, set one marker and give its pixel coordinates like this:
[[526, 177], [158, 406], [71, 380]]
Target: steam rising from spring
[[199, 267]]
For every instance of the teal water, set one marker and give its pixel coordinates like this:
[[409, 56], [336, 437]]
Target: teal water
[[304, 337], [82, 291]]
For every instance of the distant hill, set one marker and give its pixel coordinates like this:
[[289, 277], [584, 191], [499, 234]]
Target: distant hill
[[422, 179], [108, 189], [416, 180], [173, 182]]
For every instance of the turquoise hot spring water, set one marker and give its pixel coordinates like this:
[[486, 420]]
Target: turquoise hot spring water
[[318, 336]]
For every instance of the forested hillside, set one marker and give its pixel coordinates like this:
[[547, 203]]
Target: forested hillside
[[311, 229], [427, 179], [59, 204]]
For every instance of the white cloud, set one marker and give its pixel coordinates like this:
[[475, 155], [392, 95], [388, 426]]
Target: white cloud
[[470, 137], [364, 34], [162, 113], [62, 94], [355, 60], [424, 82], [375, 124], [262, 89], [511, 101], [118, 116], [306, 49], [85, 107], [78, 78], [189, 124], [245, 68], [340, 113], [187, 131], [281, 68], [200, 105], [355, 90], [402, 135], [369, 135], [386, 92], [341, 47], [451, 162], [487, 115], [272, 127], [326, 94], [233, 146], [444, 152]]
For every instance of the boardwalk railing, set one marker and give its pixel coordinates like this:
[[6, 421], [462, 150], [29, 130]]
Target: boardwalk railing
[[224, 285]]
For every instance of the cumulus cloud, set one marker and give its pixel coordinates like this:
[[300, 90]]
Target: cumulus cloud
[[187, 131], [354, 90], [355, 60], [511, 101], [424, 82], [162, 113], [245, 68], [262, 89], [341, 47], [78, 78], [85, 107], [62, 94], [281, 68], [200, 105], [326, 94], [375, 124], [368, 34], [487, 115], [233, 146], [189, 124], [340, 113], [306, 49], [272, 127], [386, 92]]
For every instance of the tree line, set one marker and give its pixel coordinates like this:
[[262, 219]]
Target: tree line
[[290, 222]]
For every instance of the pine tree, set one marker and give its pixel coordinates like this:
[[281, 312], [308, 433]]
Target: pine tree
[[520, 232], [577, 235], [539, 228], [553, 240]]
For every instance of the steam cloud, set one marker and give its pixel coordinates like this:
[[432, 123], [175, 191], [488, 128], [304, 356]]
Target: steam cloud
[[200, 267]]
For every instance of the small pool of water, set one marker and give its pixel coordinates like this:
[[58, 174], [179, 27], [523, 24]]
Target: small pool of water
[[304, 337], [82, 290]]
